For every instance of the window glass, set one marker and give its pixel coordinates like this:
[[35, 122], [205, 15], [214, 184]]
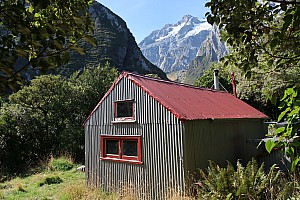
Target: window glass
[[112, 147], [130, 147], [124, 109]]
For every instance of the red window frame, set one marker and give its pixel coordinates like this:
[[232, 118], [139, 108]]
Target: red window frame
[[124, 119], [120, 157]]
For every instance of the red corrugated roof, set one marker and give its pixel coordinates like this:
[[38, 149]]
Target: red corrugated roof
[[187, 102]]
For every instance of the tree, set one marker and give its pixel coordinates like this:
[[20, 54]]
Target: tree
[[259, 32], [264, 36], [38, 34], [93, 84], [46, 117], [207, 79]]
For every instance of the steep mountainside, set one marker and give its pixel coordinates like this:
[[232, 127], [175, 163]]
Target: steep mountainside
[[211, 50], [116, 45], [180, 48]]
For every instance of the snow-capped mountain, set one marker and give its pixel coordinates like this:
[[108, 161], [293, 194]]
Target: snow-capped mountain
[[175, 46]]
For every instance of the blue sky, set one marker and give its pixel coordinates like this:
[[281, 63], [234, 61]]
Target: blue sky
[[144, 16]]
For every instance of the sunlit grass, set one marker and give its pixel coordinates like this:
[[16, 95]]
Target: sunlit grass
[[29, 187], [73, 187]]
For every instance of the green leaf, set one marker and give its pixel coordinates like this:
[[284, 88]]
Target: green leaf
[[90, 40], [280, 130], [6, 71], [57, 44], [37, 15], [210, 19], [290, 151], [294, 163], [282, 114], [31, 9], [78, 49], [21, 53], [229, 196], [270, 144], [208, 4]]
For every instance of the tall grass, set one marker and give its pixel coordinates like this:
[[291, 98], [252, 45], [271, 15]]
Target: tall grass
[[63, 163], [79, 190]]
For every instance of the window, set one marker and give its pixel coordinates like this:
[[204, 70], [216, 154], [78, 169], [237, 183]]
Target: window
[[121, 148], [124, 111]]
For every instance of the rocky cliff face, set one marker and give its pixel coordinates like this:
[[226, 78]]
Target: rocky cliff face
[[182, 47], [116, 45], [211, 50]]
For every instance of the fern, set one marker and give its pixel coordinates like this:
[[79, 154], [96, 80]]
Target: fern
[[250, 182]]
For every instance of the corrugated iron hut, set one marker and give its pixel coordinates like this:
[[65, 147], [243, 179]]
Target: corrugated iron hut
[[153, 133]]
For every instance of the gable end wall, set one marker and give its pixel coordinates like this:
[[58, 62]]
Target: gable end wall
[[162, 145]]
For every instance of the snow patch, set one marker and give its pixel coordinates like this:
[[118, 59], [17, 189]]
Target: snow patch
[[174, 32], [198, 28]]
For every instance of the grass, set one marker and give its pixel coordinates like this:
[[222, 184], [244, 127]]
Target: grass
[[72, 187], [36, 187], [58, 180]]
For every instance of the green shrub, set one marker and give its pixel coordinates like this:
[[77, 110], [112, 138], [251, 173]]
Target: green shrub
[[61, 164], [51, 180], [243, 183]]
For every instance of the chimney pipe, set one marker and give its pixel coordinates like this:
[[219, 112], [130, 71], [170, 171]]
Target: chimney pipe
[[216, 80], [233, 84]]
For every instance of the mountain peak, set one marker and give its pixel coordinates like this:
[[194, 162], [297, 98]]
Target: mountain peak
[[191, 19], [186, 18], [175, 46], [188, 26]]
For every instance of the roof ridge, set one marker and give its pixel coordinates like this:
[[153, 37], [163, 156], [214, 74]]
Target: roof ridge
[[170, 82], [184, 108]]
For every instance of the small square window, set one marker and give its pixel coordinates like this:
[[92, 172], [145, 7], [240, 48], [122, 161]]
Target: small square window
[[121, 148], [124, 111]]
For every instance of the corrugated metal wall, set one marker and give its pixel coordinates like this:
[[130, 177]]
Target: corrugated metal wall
[[162, 145], [220, 140]]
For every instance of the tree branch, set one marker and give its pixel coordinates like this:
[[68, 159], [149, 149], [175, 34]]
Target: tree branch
[[286, 2], [279, 57]]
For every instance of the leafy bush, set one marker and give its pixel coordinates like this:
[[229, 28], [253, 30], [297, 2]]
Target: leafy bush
[[61, 164], [243, 183], [51, 180]]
